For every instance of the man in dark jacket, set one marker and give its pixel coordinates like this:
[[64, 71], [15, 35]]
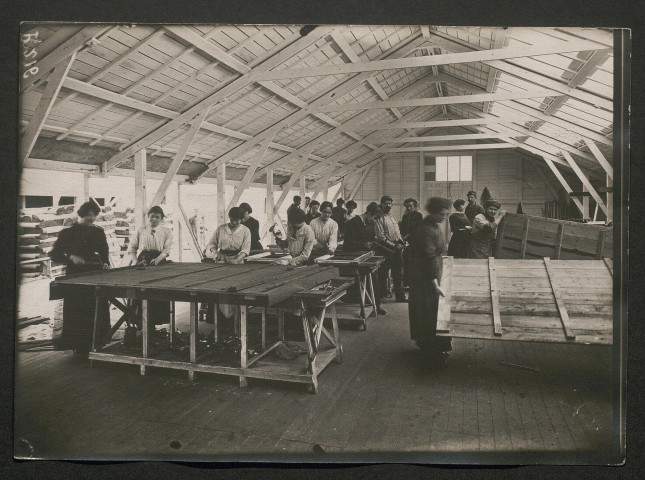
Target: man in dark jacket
[[473, 208], [411, 219], [253, 225]]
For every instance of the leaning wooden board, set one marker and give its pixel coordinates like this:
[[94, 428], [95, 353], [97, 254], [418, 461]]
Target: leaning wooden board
[[562, 301], [247, 284], [529, 237]]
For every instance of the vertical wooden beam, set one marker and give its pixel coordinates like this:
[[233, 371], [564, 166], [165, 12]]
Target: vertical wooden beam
[[303, 186], [180, 237], [610, 199], [381, 180], [140, 205], [525, 236], [564, 315], [325, 190], [86, 187], [37, 121], [585, 181], [494, 298], [145, 332], [600, 245], [269, 206], [422, 175], [194, 316], [179, 156], [221, 194], [585, 204]]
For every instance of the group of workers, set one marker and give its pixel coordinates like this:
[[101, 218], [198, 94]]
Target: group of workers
[[412, 248]]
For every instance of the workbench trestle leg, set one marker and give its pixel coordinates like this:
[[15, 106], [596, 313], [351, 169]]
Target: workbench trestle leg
[[145, 332], [194, 321], [243, 347]]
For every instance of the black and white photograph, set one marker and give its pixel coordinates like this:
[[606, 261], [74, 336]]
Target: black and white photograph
[[291, 242]]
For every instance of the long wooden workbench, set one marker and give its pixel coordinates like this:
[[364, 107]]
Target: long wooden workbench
[[247, 285], [564, 301]]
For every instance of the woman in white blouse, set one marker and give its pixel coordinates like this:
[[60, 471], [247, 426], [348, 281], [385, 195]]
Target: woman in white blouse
[[231, 242], [154, 241]]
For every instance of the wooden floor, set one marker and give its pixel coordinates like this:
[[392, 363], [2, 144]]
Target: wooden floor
[[383, 398]]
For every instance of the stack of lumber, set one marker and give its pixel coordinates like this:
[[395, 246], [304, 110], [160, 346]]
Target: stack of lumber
[[38, 229], [124, 228], [525, 236]]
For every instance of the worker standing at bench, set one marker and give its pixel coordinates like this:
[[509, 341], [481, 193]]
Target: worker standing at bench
[[424, 260], [83, 248], [387, 231], [325, 231], [153, 242], [252, 224], [300, 239]]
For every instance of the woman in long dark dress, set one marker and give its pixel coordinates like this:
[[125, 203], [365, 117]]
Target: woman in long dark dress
[[460, 228], [425, 267], [359, 234], [83, 248], [253, 225]]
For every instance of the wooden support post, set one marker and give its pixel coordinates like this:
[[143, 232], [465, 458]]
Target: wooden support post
[[360, 183], [610, 199], [145, 332], [86, 187], [593, 148], [422, 177], [243, 346], [564, 315], [585, 204], [303, 185], [221, 194], [558, 242], [445, 303], [37, 121], [269, 206], [381, 180], [525, 236], [562, 181], [494, 297], [180, 236], [140, 205], [194, 316]]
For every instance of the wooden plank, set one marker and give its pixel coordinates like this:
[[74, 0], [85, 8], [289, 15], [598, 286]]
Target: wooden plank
[[140, 200], [494, 297], [558, 243], [600, 244], [564, 315], [445, 303], [600, 157], [585, 181], [37, 121], [525, 237], [179, 157]]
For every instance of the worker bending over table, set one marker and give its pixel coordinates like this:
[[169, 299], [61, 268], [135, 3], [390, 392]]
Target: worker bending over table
[[300, 239], [387, 231], [82, 248], [424, 261], [325, 232], [150, 246], [359, 236]]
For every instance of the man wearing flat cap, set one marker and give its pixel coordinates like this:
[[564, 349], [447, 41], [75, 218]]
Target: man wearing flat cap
[[424, 268], [484, 230], [473, 208]]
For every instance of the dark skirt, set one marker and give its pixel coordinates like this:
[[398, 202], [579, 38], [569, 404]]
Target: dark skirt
[[423, 305], [78, 322], [459, 243]]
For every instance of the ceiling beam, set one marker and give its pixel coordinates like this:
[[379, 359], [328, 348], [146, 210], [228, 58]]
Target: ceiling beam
[[585, 181], [219, 95], [336, 91], [434, 124], [450, 138], [526, 74], [425, 61], [600, 157], [70, 47], [499, 38], [447, 148], [435, 101], [37, 120]]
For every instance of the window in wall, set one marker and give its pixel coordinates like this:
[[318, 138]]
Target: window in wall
[[449, 169]]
